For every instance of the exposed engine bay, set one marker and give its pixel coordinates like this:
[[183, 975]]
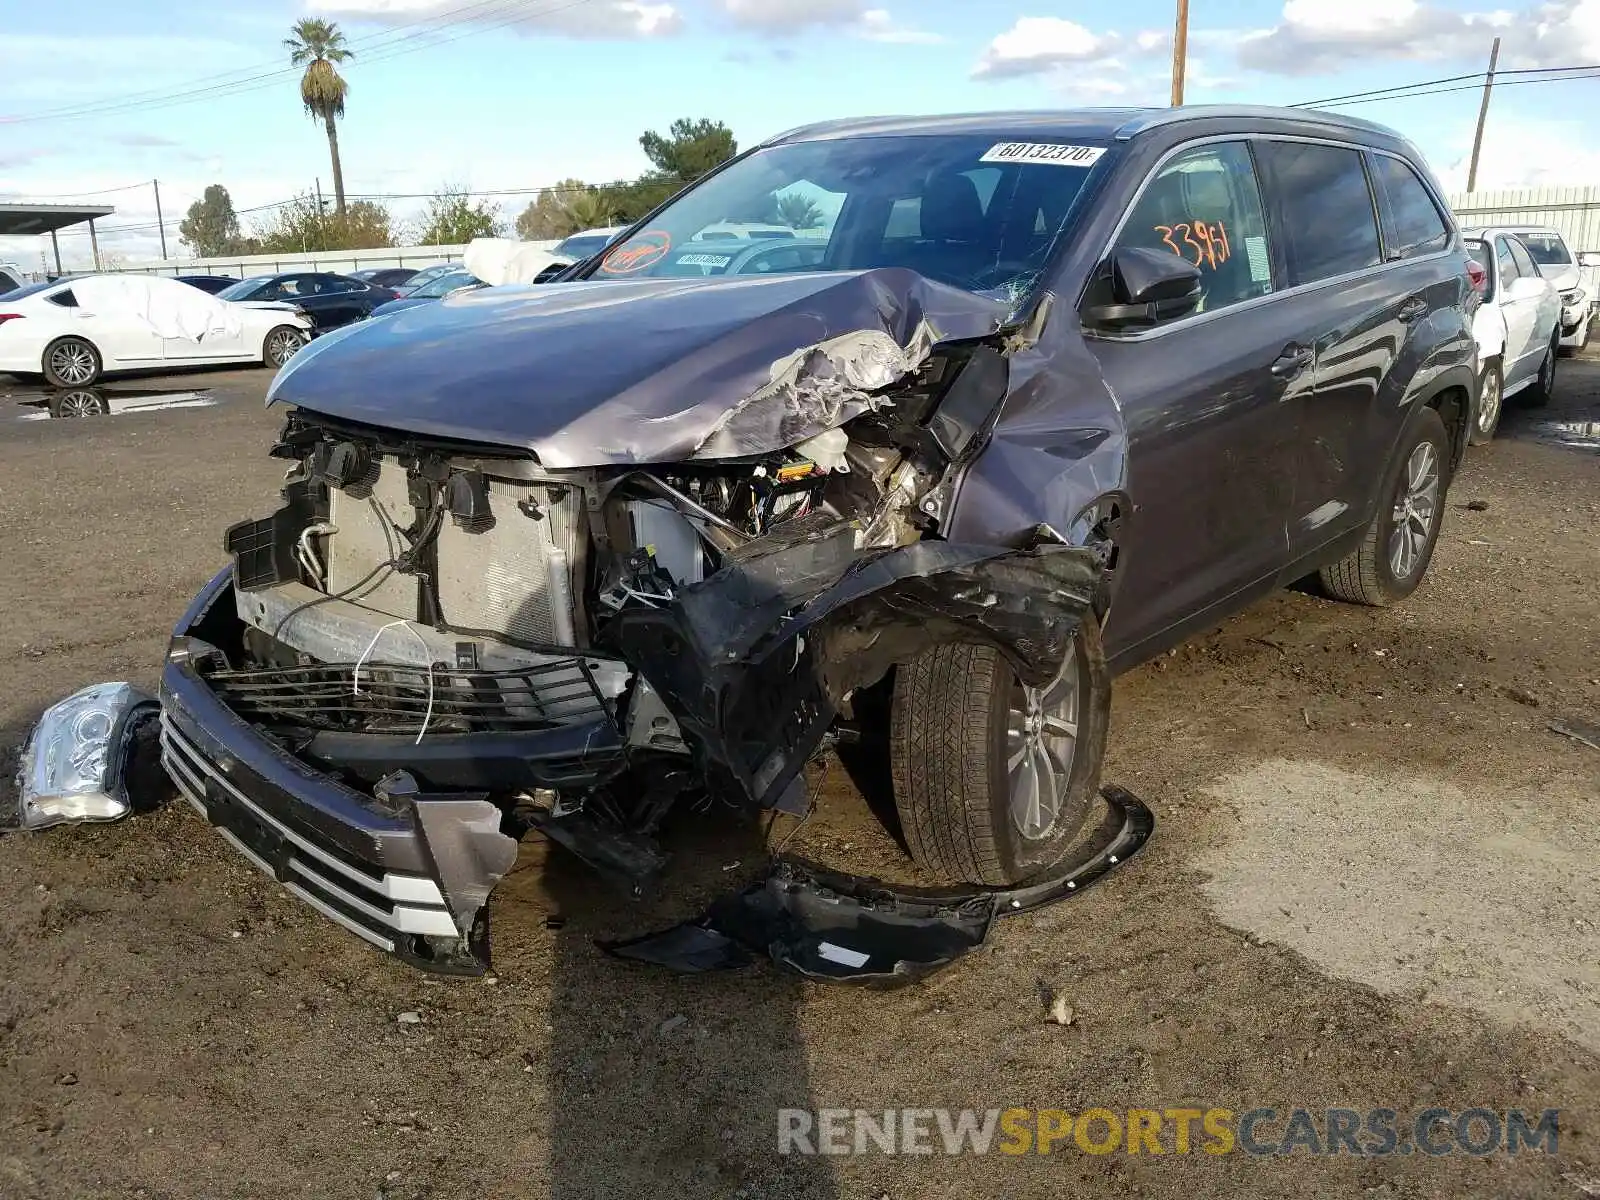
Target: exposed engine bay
[[436, 628]]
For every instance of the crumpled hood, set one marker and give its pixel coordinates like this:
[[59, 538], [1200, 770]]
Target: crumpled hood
[[639, 371]]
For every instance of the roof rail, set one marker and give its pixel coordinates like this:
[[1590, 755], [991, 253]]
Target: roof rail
[[1157, 117]]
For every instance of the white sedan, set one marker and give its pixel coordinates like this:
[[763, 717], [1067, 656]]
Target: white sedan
[[74, 331], [1517, 328]]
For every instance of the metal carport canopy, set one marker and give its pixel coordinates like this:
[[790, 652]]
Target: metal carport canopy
[[22, 220]]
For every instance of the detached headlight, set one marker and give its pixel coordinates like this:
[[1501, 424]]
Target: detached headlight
[[73, 764]]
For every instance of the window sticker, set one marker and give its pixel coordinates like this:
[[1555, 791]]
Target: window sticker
[[704, 260], [1255, 249], [1041, 152], [1204, 243], [638, 252]]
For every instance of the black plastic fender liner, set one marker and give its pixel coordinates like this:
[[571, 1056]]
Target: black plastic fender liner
[[755, 661], [849, 929]]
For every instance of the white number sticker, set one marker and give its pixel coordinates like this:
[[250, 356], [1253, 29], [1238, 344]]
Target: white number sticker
[[1042, 152], [704, 260]]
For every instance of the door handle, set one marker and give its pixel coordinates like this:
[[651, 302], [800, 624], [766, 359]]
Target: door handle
[[1294, 359], [1413, 308]]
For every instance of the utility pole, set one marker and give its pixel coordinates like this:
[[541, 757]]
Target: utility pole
[[1180, 51], [1483, 116], [160, 224]]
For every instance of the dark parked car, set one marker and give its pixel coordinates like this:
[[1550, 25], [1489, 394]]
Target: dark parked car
[[385, 277], [425, 276], [1060, 390], [208, 283], [436, 288], [329, 300]]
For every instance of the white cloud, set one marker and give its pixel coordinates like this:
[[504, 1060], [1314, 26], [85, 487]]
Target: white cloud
[[787, 16], [876, 25], [1520, 153], [1036, 44], [1317, 36], [593, 19]]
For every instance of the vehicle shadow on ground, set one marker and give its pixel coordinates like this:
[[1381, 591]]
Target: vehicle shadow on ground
[[662, 1083]]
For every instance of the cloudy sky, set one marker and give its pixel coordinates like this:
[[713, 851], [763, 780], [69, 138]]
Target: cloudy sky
[[502, 94]]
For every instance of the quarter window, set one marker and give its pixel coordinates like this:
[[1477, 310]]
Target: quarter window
[[1418, 227], [1204, 205], [1525, 264], [1508, 264], [1329, 223]]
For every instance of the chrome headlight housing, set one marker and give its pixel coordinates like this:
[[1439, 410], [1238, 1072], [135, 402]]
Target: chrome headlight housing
[[73, 764], [1575, 296]]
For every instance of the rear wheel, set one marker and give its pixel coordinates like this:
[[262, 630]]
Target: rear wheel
[[993, 779], [71, 362], [1544, 385], [1394, 555], [1491, 387]]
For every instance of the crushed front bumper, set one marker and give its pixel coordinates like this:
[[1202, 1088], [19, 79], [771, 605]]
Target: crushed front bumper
[[408, 872]]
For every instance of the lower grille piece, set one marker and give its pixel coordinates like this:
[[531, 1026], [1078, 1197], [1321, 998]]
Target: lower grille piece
[[390, 698]]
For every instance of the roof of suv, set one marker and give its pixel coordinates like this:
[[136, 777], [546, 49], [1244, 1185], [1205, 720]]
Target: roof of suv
[[1118, 124]]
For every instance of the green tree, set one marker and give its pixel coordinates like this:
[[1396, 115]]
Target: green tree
[[690, 149], [797, 211], [631, 199], [304, 225], [589, 209], [453, 218], [211, 227], [318, 46]]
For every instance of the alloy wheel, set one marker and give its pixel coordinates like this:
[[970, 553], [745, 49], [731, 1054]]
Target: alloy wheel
[[72, 363], [282, 346], [1041, 743], [1414, 511], [1489, 401]]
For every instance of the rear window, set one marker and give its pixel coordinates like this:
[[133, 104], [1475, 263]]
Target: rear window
[[1548, 249], [1330, 223], [1418, 227]]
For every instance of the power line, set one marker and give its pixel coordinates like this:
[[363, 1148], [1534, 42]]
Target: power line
[[1400, 91], [394, 47], [1593, 73]]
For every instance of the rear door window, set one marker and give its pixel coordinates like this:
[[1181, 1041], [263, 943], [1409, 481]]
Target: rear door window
[[1525, 265], [1418, 227], [1204, 205], [1330, 225]]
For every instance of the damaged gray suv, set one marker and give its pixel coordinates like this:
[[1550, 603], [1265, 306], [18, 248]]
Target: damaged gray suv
[[1038, 396]]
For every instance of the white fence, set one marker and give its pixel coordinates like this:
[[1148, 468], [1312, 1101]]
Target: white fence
[[338, 261], [1575, 211]]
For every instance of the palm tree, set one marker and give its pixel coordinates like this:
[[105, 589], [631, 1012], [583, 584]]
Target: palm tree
[[797, 212], [588, 209], [318, 45]]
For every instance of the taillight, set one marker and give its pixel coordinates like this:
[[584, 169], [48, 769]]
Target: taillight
[[1478, 276], [4, 317]]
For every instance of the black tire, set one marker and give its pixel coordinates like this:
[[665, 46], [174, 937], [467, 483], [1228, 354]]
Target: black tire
[[71, 350], [1544, 386], [947, 757], [273, 344], [1484, 424], [1367, 575]]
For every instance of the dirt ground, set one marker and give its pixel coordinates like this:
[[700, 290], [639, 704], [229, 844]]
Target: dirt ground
[[1375, 882]]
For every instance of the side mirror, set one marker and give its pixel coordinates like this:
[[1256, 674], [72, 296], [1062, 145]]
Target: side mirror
[[1147, 286], [1589, 258]]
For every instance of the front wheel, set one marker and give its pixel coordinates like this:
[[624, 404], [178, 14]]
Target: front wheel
[[280, 345], [1491, 388], [1394, 555], [71, 362], [993, 779]]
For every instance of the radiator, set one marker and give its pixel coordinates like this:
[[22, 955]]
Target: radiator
[[363, 541]]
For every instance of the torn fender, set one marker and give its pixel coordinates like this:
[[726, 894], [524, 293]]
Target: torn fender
[[755, 661]]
